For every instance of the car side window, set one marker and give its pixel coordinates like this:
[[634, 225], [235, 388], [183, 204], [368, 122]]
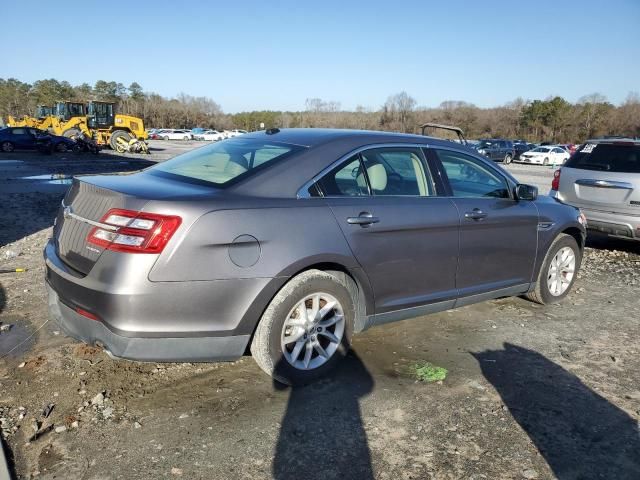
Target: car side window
[[18, 131], [469, 178], [397, 171], [347, 179]]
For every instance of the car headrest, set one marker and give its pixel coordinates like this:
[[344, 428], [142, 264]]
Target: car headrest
[[377, 176]]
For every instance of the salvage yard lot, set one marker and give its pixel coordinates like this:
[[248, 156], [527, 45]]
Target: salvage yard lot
[[529, 392]]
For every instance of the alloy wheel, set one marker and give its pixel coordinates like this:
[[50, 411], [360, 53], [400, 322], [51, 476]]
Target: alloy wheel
[[561, 271], [7, 147], [312, 331]]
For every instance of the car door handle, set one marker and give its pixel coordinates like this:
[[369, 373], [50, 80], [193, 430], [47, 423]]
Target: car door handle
[[475, 214], [364, 219]]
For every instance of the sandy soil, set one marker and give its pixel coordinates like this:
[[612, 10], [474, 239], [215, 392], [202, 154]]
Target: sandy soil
[[531, 391]]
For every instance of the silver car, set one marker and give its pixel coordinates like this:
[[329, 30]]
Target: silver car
[[288, 242], [603, 179]]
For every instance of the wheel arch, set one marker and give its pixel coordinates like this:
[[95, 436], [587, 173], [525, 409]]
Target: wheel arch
[[353, 278]]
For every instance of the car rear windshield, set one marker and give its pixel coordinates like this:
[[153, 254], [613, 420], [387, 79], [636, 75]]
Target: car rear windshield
[[607, 157], [225, 162]]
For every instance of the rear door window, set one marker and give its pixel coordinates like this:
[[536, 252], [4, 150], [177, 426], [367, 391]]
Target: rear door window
[[607, 157], [397, 171], [346, 180]]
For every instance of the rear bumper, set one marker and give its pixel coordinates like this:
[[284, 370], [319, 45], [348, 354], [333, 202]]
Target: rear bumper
[[614, 224], [156, 321], [165, 349]]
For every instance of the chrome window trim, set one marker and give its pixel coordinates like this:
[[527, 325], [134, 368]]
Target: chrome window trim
[[303, 192]]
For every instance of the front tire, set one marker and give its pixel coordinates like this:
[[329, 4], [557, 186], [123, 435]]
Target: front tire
[[61, 147], [545, 161], [507, 159], [558, 272], [113, 141], [306, 329]]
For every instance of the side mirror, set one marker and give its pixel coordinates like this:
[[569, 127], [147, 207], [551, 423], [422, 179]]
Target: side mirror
[[526, 192]]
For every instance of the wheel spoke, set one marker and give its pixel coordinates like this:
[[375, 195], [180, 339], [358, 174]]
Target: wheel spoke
[[325, 310], [331, 320], [330, 336], [297, 349], [307, 355], [321, 351], [315, 307]]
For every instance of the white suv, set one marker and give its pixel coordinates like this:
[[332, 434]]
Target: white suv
[[603, 179]]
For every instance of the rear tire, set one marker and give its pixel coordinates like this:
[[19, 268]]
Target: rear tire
[[542, 293], [61, 147], [269, 347], [507, 159], [113, 141], [186, 138], [545, 161], [7, 147]]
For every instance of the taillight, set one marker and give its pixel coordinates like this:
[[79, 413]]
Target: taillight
[[555, 183], [136, 232]]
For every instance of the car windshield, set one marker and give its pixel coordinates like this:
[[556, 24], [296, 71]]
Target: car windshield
[[225, 161], [611, 157], [542, 149]]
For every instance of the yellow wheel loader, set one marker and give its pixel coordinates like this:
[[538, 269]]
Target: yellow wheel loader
[[96, 120]]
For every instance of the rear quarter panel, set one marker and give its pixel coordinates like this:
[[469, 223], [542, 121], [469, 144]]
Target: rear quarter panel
[[286, 239]]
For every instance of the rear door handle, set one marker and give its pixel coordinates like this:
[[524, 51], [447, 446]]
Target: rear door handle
[[364, 219], [475, 214]]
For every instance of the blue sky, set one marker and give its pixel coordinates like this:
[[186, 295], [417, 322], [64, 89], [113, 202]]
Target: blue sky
[[273, 55]]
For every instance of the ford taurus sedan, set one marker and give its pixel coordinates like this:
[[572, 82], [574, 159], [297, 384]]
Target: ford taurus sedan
[[289, 242]]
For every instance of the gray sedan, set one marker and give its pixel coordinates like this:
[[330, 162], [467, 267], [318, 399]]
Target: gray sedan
[[288, 242]]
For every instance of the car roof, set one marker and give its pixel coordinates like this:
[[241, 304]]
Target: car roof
[[311, 137], [614, 140], [323, 147]]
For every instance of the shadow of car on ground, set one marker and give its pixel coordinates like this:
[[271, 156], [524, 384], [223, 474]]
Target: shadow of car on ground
[[579, 433]]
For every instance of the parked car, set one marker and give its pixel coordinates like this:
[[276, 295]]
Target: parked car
[[209, 136], [569, 147], [233, 133], [603, 179], [29, 138], [497, 149], [519, 148], [545, 156], [280, 241], [172, 134]]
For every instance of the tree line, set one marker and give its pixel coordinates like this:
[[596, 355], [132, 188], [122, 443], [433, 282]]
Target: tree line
[[553, 119]]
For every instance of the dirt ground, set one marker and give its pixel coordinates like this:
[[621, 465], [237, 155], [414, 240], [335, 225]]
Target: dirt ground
[[531, 392]]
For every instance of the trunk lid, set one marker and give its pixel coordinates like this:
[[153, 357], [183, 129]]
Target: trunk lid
[[90, 198], [603, 176]]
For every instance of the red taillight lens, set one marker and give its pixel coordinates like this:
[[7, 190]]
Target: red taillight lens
[[137, 232], [87, 314], [555, 183]]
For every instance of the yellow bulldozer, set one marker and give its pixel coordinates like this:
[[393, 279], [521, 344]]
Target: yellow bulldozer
[[96, 120]]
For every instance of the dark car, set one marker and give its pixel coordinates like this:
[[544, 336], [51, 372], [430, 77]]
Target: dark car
[[519, 148], [29, 138], [497, 149], [290, 241]]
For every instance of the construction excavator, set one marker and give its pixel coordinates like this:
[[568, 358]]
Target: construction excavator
[[95, 120]]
